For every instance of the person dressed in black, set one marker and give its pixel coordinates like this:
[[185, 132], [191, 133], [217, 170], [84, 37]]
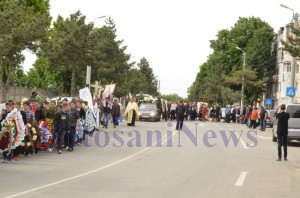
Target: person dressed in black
[[40, 113], [282, 131], [116, 112], [63, 120], [180, 113]]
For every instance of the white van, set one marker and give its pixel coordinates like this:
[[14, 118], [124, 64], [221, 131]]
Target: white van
[[293, 124]]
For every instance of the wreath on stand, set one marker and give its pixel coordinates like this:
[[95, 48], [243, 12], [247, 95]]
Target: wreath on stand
[[32, 139], [5, 139], [47, 128], [46, 136], [34, 133], [13, 131], [25, 145]]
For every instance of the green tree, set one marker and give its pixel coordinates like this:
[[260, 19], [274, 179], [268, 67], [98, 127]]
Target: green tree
[[253, 36], [172, 97], [150, 85], [293, 44], [23, 24], [108, 58], [252, 82], [19, 78], [135, 82], [67, 46]]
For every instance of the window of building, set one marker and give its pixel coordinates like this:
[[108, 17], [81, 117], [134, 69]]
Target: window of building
[[279, 87], [297, 69], [287, 67], [296, 86]]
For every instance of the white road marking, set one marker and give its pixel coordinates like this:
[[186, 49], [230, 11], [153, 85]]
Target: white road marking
[[241, 179], [263, 138], [86, 173], [241, 140]]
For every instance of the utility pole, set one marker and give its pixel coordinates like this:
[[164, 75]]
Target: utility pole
[[243, 77], [243, 80]]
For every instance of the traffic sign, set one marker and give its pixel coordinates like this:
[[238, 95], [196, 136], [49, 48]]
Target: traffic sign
[[268, 101], [290, 91]]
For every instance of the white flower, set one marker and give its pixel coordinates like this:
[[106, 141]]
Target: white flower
[[34, 138], [28, 144], [22, 144], [29, 125], [33, 131]]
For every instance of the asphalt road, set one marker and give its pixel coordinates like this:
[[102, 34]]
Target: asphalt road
[[179, 164]]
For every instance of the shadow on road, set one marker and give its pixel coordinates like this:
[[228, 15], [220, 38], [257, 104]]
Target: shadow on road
[[294, 144]]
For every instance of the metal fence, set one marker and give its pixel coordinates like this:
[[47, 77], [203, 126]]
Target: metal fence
[[18, 93]]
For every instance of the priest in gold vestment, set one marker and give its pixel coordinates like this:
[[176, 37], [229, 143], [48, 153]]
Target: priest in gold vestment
[[132, 112]]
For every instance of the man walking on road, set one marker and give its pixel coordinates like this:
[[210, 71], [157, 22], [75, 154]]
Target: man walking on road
[[282, 131], [180, 113]]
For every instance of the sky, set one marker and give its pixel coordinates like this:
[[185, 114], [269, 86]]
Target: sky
[[173, 35]]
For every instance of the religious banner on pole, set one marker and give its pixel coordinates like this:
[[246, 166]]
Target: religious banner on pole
[[108, 91], [86, 95]]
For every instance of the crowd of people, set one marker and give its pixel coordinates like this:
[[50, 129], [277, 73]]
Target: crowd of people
[[32, 125], [64, 124], [249, 115], [169, 111]]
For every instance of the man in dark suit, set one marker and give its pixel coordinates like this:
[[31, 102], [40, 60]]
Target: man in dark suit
[[282, 131], [180, 113]]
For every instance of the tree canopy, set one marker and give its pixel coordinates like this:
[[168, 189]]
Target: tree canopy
[[219, 78], [23, 25], [293, 44], [71, 45]]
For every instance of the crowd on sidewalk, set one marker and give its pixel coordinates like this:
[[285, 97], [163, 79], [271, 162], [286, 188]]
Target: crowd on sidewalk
[[30, 126]]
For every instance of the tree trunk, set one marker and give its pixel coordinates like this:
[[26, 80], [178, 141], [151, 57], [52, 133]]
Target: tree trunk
[[4, 80], [3, 93], [73, 80], [2, 88]]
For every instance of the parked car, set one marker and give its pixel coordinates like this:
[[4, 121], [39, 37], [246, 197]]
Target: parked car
[[293, 123], [270, 117], [149, 111]]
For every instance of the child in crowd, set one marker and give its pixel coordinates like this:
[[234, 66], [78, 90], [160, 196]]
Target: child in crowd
[[63, 121]]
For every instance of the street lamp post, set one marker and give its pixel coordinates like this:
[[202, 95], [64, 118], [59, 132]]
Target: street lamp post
[[293, 66], [243, 77], [88, 68], [101, 17]]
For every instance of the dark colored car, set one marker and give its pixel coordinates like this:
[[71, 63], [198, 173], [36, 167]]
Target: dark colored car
[[149, 111]]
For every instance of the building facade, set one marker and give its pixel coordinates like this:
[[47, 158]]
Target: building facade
[[283, 71], [297, 82]]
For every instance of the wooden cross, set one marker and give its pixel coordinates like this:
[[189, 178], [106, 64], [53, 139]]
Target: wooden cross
[[97, 88]]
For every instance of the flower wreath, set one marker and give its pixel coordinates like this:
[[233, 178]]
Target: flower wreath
[[5, 139], [46, 135], [14, 125], [32, 139], [35, 134], [26, 143]]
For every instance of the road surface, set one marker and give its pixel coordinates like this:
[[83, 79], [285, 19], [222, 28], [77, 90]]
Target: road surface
[[126, 162]]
